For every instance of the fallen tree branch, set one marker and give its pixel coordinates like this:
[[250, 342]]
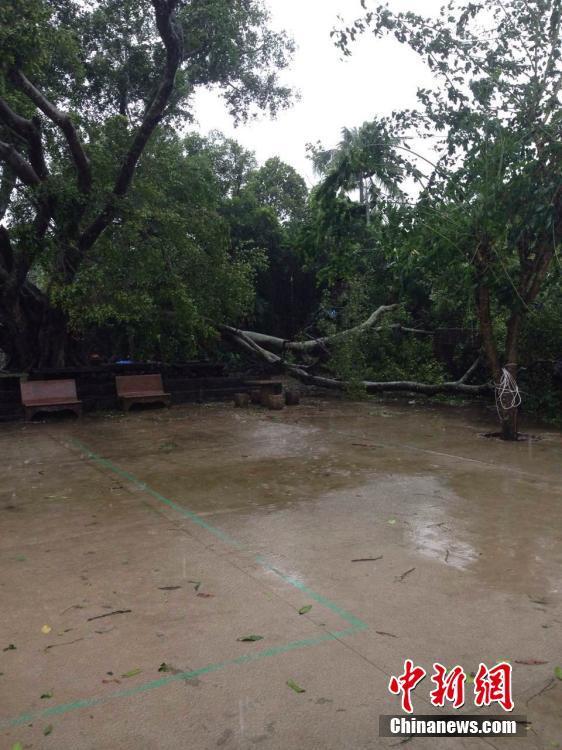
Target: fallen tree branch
[[249, 344], [273, 343]]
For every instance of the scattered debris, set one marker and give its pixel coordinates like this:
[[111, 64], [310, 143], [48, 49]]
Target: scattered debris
[[530, 662], [391, 521], [367, 559], [48, 729], [67, 643], [447, 556], [169, 588], [250, 638], [203, 595], [73, 606], [364, 445], [401, 578], [305, 609], [46, 695], [164, 667], [197, 585], [17, 746], [11, 647], [167, 447], [549, 685], [46, 629], [382, 632], [558, 673], [110, 614], [132, 672], [297, 688], [113, 679]]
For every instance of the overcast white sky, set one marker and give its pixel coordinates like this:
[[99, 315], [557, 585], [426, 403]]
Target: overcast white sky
[[381, 76]]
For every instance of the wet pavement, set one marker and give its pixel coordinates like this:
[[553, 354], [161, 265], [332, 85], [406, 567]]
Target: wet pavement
[[137, 550]]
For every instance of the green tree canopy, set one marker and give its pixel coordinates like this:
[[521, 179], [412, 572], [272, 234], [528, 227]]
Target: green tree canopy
[[83, 89]]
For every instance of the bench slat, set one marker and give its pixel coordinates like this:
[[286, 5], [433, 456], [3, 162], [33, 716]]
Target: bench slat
[[36, 392], [131, 386]]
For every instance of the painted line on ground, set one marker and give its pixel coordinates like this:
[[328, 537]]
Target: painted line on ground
[[163, 681], [356, 625]]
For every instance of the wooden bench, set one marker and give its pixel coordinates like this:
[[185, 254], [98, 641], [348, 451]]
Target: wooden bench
[[49, 395], [141, 389]]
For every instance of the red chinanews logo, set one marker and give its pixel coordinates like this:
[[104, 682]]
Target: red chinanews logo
[[490, 685]]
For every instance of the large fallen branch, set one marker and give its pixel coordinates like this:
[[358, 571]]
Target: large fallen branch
[[275, 344], [248, 341]]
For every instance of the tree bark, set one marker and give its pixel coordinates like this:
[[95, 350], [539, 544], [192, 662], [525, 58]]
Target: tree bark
[[508, 418], [33, 334]]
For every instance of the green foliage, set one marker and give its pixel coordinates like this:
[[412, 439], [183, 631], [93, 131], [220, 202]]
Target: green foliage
[[163, 267], [279, 186], [188, 281]]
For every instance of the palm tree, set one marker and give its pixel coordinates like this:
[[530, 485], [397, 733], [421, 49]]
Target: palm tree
[[364, 160]]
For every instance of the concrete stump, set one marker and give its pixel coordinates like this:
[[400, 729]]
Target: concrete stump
[[241, 400], [292, 398], [275, 402]]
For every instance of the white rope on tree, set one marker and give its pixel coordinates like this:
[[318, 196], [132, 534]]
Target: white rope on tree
[[507, 392]]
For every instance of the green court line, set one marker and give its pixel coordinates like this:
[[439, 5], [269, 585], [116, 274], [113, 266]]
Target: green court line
[[356, 625], [163, 681]]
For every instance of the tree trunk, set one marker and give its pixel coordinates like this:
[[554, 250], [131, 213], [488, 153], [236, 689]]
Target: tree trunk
[[509, 420], [33, 334], [507, 417]]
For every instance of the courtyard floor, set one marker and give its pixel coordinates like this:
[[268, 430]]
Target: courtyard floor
[[137, 551]]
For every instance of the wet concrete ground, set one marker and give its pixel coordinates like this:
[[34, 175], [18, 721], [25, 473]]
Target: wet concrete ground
[[135, 552]]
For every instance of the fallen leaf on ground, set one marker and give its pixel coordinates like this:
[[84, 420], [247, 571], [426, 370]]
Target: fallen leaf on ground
[[132, 672], [164, 667], [382, 632], [391, 521], [46, 629], [245, 638], [11, 647], [367, 559], [297, 688], [46, 695], [197, 585], [203, 595], [530, 662], [48, 729], [169, 588], [110, 614], [305, 609], [168, 446], [17, 746], [558, 673], [401, 578]]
